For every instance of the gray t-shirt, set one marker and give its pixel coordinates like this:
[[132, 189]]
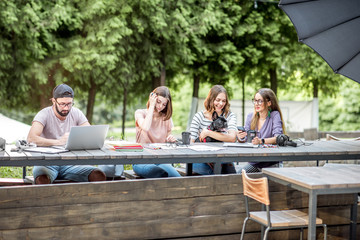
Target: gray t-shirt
[[54, 128]]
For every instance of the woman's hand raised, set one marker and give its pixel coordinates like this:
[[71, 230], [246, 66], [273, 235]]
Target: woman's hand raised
[[152, 98]]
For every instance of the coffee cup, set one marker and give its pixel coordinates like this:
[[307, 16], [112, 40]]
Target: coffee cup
[[185, 138]]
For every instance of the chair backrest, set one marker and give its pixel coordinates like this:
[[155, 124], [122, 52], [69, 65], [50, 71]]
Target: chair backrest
[[256, 188], [331, 137]]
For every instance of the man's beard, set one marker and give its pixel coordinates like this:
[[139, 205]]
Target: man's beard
[[60, 113]]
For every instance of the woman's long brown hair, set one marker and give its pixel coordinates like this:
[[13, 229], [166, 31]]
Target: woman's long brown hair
[[268, 96], [213, 93], [164, 92]]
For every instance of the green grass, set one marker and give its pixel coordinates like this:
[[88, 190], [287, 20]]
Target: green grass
[[14, 172]]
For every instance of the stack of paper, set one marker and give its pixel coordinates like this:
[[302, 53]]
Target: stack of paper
[[129, 148]]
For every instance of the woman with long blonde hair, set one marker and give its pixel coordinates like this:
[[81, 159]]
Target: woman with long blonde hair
[[267, 121], [216, 104]]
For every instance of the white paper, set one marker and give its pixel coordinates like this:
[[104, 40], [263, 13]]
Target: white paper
[[45, 150], [204, 148], [236, 144]]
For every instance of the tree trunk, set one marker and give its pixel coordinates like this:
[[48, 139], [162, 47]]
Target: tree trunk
[[91, 100], [155, 82], [315, 89], [46, 89], [196, 85], [195, 99], [273, 79], [243, 100], [163, 76], [315, 102], [163, 67], [124, 113]]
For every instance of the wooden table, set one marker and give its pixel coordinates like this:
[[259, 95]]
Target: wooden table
[[318, 150], [330, 179]]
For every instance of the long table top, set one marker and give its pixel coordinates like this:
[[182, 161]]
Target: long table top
[[329, 178], [317, 150]]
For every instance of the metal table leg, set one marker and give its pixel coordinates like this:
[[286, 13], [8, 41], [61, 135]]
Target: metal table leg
[[353, 218], [312, 215]]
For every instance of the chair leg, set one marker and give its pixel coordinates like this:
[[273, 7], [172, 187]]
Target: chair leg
[[266, 233], [325, 231], [301, 233], [243, 228]]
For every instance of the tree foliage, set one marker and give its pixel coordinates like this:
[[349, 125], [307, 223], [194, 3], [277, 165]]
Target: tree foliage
[[117, 51]]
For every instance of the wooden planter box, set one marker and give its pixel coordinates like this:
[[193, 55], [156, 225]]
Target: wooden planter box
[[199, 207]]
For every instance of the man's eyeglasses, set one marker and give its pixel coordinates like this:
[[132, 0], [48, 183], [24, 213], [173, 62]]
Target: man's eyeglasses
[[65, 104], [257, 102]]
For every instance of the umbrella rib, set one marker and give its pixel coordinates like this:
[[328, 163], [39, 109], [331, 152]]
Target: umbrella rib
[[268, 1], [337, 70], [349, 20], [297, 2]]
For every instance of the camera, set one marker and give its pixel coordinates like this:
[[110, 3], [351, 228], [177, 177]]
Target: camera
[[251, 134], [284, 140]]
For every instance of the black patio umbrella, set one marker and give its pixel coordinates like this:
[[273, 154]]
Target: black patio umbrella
[[331, 28]]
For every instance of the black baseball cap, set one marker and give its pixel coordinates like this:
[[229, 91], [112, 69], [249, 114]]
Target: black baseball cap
[[62, 91]]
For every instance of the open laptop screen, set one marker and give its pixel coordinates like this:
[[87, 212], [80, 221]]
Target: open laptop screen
[[87, 137]]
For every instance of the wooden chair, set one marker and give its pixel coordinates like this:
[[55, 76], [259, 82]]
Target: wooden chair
[[258, 189]]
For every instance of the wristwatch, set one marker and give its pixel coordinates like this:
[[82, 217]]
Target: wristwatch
[[263, 141]]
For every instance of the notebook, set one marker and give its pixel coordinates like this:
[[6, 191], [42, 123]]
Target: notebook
[[87, 137]]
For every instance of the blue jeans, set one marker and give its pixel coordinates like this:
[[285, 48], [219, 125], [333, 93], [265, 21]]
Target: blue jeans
[[205, 169], [112, 170], [155, 170], [73, 173], [202, 169]]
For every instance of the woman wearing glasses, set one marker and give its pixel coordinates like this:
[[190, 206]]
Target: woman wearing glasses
[[268, 123]]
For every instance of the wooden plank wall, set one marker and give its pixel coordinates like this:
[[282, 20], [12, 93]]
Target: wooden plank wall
[[204, 207]]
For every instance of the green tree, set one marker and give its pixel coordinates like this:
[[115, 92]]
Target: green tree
[[27, 49], [214, 51]]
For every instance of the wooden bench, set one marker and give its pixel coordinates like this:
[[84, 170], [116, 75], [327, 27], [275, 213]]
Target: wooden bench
[[130, 174], [13, 182], [183, 173], [30, 180], [192, 208]]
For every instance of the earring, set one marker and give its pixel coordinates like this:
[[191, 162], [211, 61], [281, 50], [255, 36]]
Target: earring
[[269, 111]]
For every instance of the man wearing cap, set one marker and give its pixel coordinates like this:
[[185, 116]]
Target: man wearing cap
[[51, 127]]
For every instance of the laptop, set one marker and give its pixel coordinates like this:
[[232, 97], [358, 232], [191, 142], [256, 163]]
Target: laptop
[[87, 137]]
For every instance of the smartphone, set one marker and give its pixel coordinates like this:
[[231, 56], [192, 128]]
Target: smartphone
[[241, 128]]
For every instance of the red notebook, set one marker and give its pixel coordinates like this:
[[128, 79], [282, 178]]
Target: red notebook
[[129, 147]]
